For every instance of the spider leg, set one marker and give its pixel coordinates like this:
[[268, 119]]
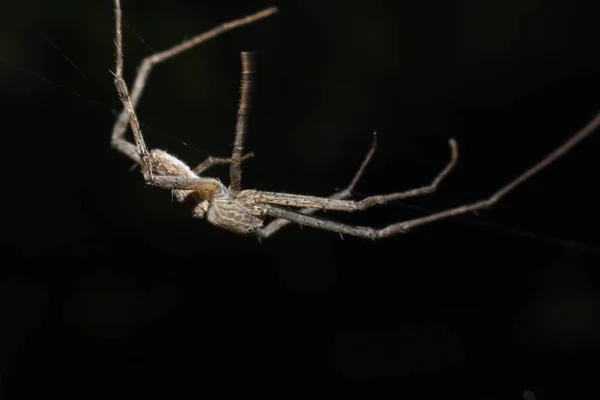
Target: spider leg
[[140, 145], [315, 222], [279, 223], [184, 183], [118, 140], [404, 226], [372, 233], [235, 169], [236, 159], [255, 197]]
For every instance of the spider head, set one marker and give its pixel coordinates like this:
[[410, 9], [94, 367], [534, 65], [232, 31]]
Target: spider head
[[211, 189], [202, 198]]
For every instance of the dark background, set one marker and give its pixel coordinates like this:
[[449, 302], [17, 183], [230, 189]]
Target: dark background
[[107, 288]]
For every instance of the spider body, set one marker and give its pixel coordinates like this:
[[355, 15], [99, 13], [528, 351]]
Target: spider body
[[243, 211], [211, 199]]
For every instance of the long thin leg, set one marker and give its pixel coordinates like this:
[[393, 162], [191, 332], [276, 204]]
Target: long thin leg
[[404, 226], [317, 222], [235, 169], [255, 197], [118, 141], [279, 223], [237, 157], [141, 151]]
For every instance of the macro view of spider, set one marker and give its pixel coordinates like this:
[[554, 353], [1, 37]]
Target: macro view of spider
[[245, 211]]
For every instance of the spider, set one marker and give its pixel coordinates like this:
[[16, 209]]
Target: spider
[[244, 211]]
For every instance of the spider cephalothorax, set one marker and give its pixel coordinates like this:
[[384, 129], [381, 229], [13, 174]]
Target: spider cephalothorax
[[243, 211]]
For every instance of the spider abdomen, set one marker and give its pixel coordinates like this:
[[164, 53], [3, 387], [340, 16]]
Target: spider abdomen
[[234, 216]]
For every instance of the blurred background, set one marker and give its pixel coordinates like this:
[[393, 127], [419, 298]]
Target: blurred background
[[109, 288]]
